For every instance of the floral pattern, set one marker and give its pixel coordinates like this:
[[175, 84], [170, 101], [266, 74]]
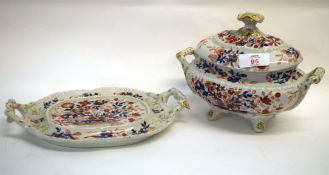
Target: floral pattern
[[283, 77], [118, 132], [232, 37], [290, 55], [65, 135], [91, 94], [238, 99], [230, 75], [135, 95], [145, 127], [46, 105], [111, 111], [225, 57], [228, 57]]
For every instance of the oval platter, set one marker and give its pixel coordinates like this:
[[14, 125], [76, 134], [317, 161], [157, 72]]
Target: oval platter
[[97, 118]]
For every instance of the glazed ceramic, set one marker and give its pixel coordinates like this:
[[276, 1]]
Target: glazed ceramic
[[97, 118], [258, 92]]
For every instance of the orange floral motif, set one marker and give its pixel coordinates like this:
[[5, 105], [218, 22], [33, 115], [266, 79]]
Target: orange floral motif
[[266, 100], [67, 105], [232, 37], [290, 55], [238, 99], [111, 111]]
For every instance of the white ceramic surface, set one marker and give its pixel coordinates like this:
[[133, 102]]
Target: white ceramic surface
[[42, 35], [97, 118], [256, 93]]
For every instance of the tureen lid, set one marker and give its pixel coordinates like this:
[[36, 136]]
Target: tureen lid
[[228, 47]]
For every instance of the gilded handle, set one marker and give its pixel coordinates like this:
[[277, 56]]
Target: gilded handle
[[10, 112], [179, 96], [316, 75], [181, 56]]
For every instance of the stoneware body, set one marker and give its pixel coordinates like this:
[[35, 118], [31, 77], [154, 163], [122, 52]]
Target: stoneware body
[[97, 118], [256, 93]]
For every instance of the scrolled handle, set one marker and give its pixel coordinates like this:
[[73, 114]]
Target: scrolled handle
[[181, 56], [179, 96], [10, 112], [316, 75]]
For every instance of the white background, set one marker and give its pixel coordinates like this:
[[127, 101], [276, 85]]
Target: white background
[[51, 46]]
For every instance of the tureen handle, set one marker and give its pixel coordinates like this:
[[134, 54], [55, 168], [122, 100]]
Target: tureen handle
[[181, 56], [179, 96], [10, 112], [315, 76]]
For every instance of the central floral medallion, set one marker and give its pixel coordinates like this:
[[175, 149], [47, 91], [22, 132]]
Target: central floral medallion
[[112, 111]]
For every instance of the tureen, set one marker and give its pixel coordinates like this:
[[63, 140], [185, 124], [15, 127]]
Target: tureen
[[247, 72], [97, 118]]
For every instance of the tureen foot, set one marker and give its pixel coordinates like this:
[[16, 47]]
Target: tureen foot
[[259, 123], [213, 115]]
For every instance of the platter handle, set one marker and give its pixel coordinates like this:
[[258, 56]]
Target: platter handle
[[179, 96], [10, 112]]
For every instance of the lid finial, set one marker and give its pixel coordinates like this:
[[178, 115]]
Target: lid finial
[[250, 19]]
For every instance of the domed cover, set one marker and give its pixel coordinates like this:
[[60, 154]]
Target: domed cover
[[227, 47]]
